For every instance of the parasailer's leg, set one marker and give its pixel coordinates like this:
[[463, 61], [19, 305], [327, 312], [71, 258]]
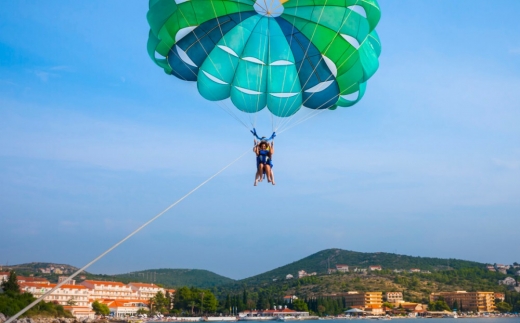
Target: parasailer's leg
[[258, 176], [269, 173]]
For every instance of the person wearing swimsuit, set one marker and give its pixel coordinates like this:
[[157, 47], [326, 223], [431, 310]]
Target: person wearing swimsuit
[[264, 163]]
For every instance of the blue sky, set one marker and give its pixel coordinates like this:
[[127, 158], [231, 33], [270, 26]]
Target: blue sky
[[95, 139]]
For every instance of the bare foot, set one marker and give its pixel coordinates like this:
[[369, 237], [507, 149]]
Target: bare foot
[[256, 182], [274, 183]]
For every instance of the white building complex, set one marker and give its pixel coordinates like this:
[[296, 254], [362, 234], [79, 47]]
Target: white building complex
[[122, 299], [108, 290], [65, 295], [145, 291]]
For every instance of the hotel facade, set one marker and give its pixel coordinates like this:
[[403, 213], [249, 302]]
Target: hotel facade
[[468, 301]]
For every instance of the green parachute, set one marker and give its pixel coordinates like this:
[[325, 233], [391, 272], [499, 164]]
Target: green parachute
[[279, 54]]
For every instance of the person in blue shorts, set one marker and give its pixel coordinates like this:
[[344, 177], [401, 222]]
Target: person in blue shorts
[[264, 163]]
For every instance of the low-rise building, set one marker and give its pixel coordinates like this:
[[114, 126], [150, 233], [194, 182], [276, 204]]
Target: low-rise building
[[500, 297], [372, 268], [289, 276], [303, 273], [491, 268], [468, 301], [413, 307], [289, 298], [342, 268], [415, 270], [394, 297], [128, 307]]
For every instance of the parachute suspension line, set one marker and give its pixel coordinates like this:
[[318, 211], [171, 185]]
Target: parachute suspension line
[[287, 122], [314, 113], [28, 307], [228, 110], [305, 55], [275, 127]]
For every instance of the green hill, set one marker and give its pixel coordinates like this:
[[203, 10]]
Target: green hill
[[166, 277], [318, 262], [322, 260], [176, 277]]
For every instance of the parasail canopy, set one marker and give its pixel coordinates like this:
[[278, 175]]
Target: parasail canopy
[[276, 54]]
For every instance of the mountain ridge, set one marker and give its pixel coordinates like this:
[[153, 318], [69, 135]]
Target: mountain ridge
[[318, 262]]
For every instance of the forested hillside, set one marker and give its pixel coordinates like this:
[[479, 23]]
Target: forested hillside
[[176, 277], [321, 261]]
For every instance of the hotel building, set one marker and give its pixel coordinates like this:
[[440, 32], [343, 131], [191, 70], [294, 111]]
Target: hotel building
[[468, 301]]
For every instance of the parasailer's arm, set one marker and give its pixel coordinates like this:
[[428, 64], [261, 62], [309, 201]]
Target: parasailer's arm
[[256, 148], [272, 147]]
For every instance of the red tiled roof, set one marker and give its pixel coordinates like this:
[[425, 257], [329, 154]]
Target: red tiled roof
[[122, 302], [285, 310]]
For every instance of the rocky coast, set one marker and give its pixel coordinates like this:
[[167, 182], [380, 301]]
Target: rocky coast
[[3, 318]]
